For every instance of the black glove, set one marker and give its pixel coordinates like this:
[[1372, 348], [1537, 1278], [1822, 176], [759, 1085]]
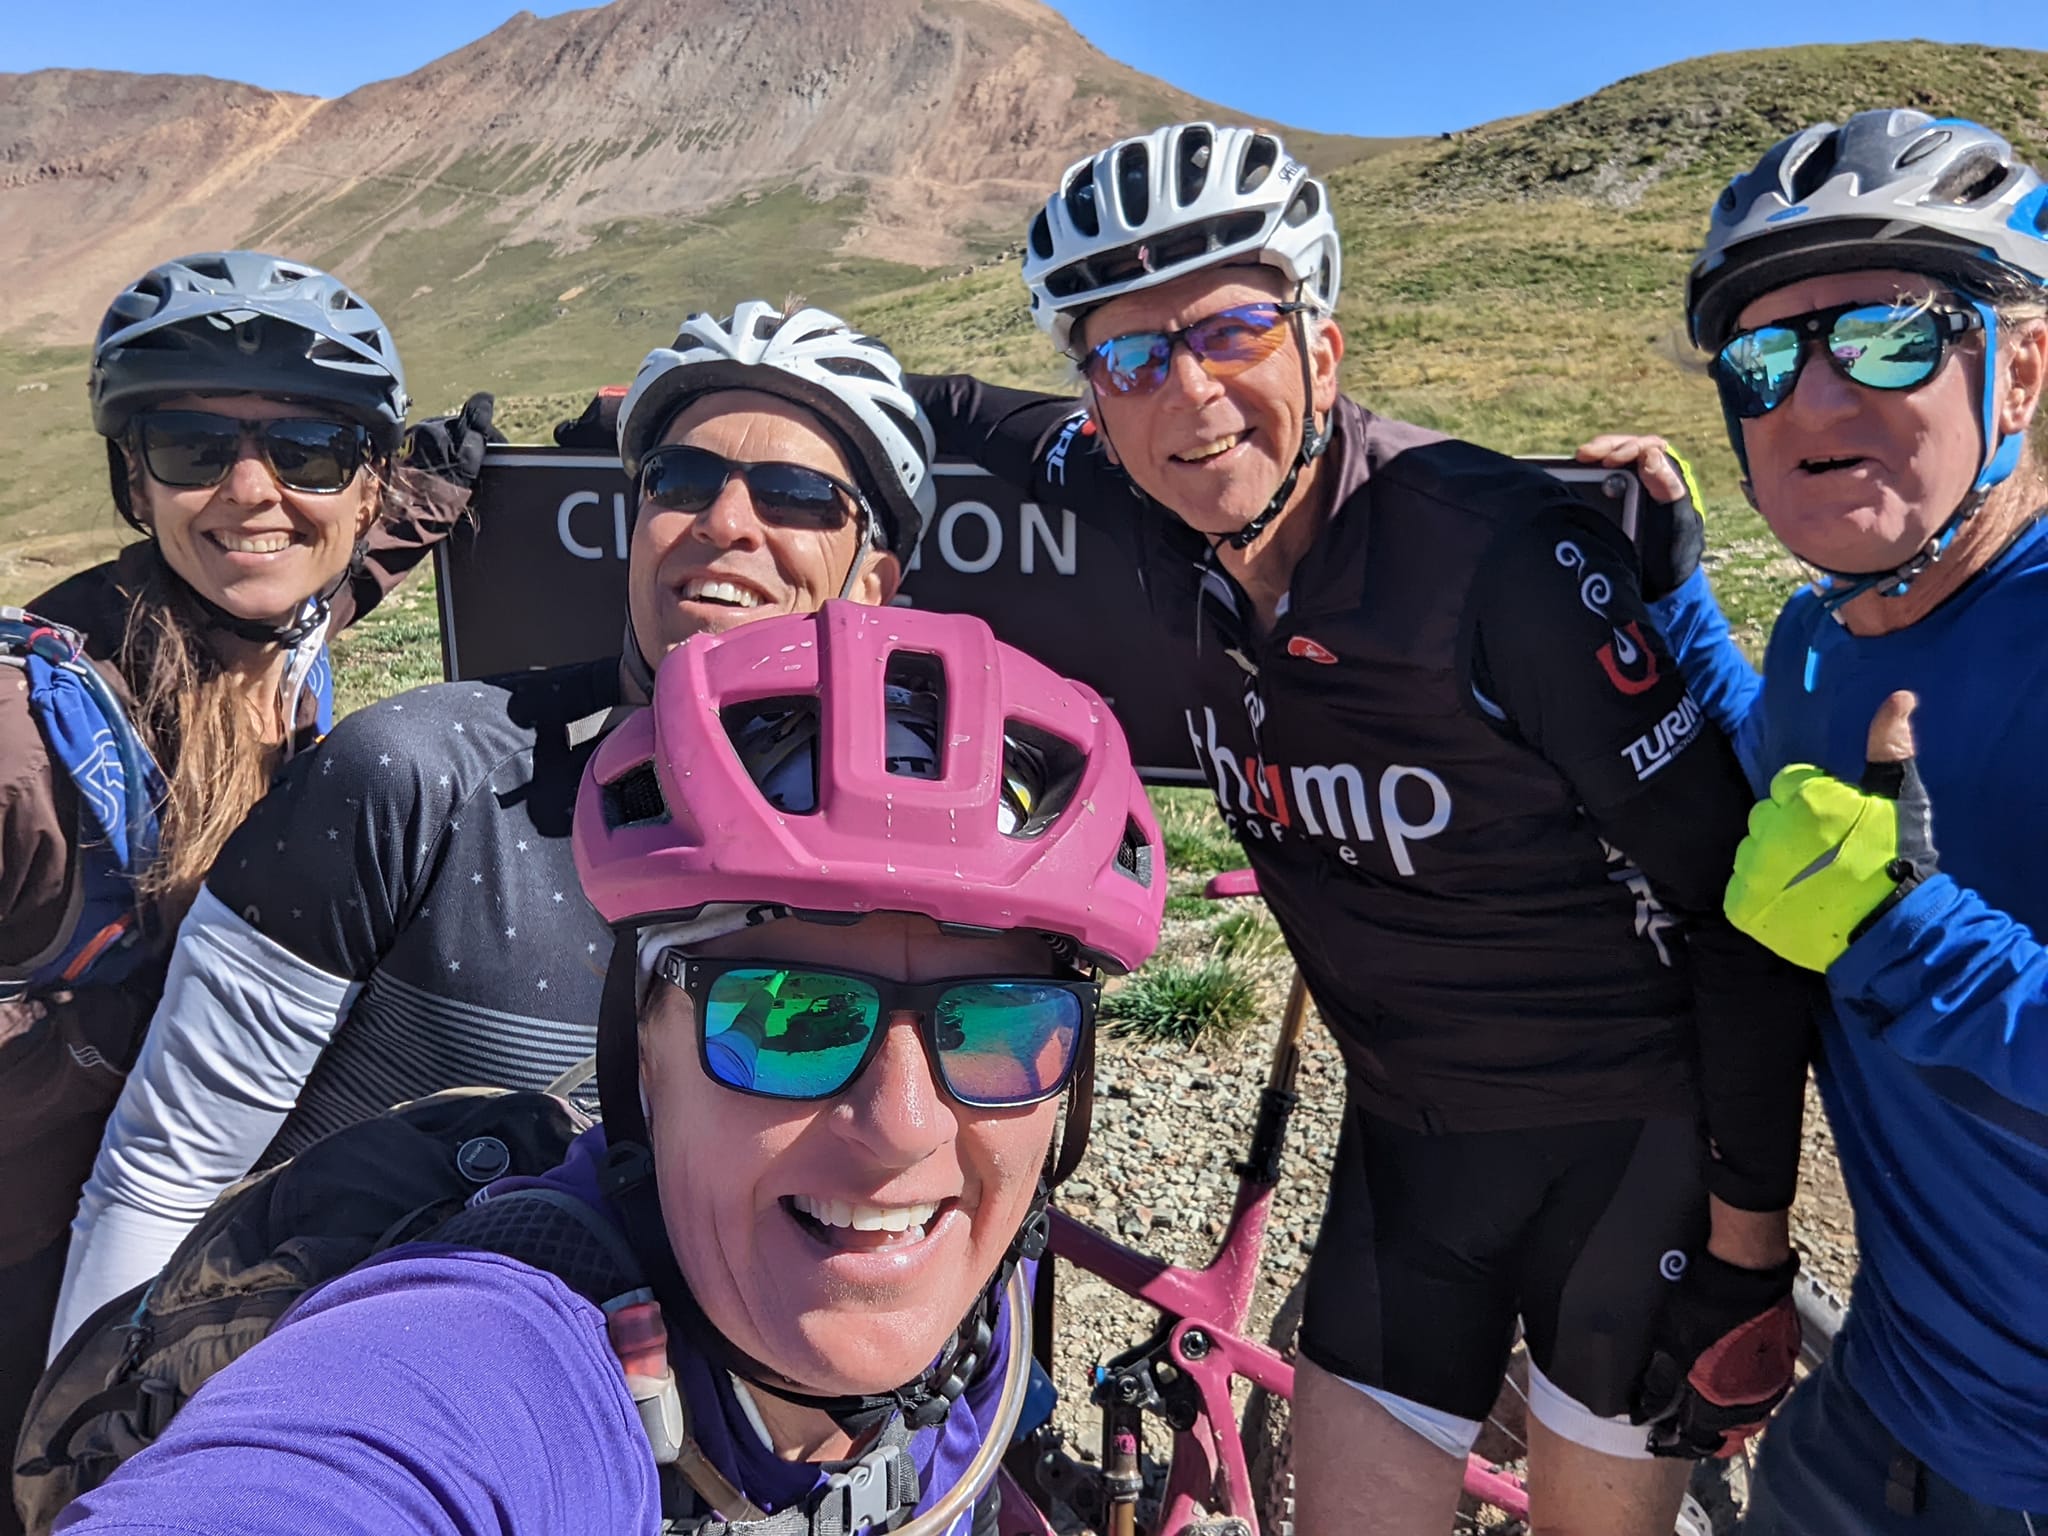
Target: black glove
[[598, 426], [1721, 1359], [452, 447], [1669, 536]]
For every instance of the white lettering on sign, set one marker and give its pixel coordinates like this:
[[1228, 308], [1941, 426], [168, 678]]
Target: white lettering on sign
[[569, 541], [622, 535], [992, 551], [1062, 554]]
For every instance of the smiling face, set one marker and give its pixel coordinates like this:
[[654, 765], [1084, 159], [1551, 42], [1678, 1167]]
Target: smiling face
[[693, 572], [249, 544], [1856, 479], [840, 1242], [1213, 450]]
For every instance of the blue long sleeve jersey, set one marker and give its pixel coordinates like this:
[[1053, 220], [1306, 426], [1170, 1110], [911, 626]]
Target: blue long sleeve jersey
[[1934, 1061]]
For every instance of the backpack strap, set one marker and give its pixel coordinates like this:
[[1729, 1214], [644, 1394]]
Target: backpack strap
[[572, 1240], [119, 788]]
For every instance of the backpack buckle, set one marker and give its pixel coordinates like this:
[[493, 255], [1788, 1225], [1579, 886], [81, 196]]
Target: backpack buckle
[[875, 1492]]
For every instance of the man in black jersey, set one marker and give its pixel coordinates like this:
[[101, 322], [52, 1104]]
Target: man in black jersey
[[401, 913], [1494, 829]]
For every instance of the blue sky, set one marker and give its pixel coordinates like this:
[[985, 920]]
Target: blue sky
[[1355, 66]]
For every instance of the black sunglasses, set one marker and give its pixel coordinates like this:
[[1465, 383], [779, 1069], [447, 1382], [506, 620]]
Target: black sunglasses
[[1880, 346], [194, 449], [681, 478], [778, 1029]]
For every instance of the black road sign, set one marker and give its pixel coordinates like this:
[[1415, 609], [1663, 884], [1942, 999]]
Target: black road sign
[[541, 580]]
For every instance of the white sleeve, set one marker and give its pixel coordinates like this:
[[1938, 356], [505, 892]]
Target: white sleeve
[[241, 1023]]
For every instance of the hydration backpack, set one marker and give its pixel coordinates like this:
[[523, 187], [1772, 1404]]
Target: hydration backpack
[[119, 788], [411, 1173]]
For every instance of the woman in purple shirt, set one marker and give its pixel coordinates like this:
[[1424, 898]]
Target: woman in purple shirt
[[894, 856]]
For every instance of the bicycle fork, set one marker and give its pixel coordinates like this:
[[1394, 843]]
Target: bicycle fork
[[1123, 1428]]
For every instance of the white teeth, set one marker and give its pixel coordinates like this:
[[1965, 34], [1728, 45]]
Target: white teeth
[[259, 544], [721, 592], [1210, 450], [863, 1217]]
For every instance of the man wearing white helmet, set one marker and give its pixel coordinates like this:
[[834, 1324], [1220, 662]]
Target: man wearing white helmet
[[1493, 827], [400, 915]]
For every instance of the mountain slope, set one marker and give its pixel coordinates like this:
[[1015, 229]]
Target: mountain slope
[[940, 120], [1520, 283]]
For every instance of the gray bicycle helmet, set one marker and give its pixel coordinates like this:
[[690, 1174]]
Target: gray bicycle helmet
[[813, 359], [1888, 188], [243, 322]]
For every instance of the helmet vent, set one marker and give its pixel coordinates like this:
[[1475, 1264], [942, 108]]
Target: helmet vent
[[914, 693], [1308, 202], [1260, 156], [1191, 167], [1041, 771], [776, 741], [1134, 853], [635, 799], [211, 266], [1811, 172], [1041, 237], [1924, 146], [1081, 202], [1974, 177], [1134, 182]]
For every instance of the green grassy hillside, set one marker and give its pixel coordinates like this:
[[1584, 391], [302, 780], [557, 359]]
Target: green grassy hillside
[[1519, 283]]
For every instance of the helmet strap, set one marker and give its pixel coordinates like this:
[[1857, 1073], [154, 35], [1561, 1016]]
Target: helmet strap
[[628, 1179], [311, 615], [1995, 463], [868, 528], [1313, 442], [121, 478]]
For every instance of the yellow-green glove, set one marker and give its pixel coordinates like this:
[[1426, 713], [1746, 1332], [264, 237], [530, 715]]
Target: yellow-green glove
[[1824, 859]]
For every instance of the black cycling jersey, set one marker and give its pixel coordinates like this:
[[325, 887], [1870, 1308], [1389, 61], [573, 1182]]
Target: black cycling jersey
[[1492, 824]]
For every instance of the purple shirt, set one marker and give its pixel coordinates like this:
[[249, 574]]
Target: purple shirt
[[457, 1393]]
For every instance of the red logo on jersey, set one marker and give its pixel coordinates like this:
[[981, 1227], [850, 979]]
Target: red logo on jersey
[[1309, 650], [1629, 664]]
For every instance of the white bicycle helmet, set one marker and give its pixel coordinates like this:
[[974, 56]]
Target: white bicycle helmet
[[241, 321], [816, 360], [1887, 188], [1153, 208]]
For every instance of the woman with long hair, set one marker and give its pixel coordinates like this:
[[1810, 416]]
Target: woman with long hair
[[254, 411]]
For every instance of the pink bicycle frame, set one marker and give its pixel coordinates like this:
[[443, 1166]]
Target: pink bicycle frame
[[1206, 1309]]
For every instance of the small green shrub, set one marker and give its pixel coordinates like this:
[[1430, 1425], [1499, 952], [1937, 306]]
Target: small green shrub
[[1196, 842], [1249, 934], [1180, 1003]]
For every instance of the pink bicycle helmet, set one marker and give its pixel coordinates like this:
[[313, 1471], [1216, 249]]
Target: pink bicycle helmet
[[782, 764], [850, 761]]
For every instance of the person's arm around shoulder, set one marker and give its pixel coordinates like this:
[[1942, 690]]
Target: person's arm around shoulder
[[1047, 446], [1576, 670], [1670, 540], [432, 484], [450, 1393], [307, 897]]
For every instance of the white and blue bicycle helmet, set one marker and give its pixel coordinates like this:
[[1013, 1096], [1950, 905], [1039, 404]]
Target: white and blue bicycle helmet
[[1892, 188]]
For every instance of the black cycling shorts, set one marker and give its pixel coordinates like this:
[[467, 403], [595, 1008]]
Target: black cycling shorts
[[1434, 1244]]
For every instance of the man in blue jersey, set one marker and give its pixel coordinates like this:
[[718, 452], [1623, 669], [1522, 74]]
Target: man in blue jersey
[[1874, 297]]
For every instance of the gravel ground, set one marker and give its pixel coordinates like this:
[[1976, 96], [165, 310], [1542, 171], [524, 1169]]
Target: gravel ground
[[1171, 1120]]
